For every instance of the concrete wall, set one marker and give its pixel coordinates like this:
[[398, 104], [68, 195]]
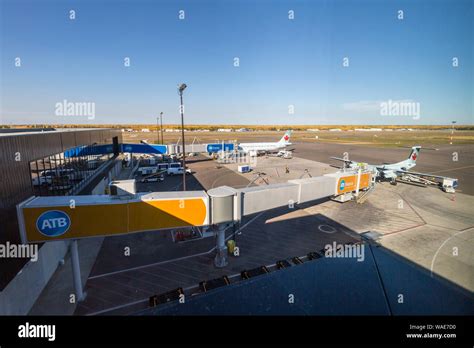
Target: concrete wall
[[21, 293], [113, 173], [19, 296]]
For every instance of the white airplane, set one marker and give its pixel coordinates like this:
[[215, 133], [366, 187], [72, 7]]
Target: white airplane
[[253, 149], [389, 171]]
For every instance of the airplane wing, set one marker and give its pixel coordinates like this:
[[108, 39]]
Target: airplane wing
[[388, 173], [421, 174], [342, 160]]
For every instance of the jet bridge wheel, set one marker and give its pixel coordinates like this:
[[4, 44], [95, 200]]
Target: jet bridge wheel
[[393, 182]]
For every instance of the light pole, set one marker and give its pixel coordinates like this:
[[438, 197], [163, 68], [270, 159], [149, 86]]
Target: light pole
[[181, 88], [161, 127], [452, 132], [157, 131]]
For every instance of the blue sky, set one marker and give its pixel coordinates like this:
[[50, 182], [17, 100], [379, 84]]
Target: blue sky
[[282, 62]]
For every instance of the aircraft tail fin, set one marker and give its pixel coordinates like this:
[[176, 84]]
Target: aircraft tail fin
[[286, 137], [414, 153]]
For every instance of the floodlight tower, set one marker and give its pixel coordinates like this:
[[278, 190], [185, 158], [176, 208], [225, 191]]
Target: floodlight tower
[[161, 127], [452, 132], [157, 131], [181, 88]]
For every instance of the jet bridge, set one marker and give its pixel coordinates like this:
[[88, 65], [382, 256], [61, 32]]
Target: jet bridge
[[149, 149], [124, 211]]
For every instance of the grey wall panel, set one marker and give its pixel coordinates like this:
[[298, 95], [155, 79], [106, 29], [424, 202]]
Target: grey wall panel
[[82, 138], [260, 198], [176, 149], [96, 137], [315, 188], [196, 147], [68, 141]]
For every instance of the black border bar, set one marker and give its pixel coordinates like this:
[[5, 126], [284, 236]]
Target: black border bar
[[138, 330]]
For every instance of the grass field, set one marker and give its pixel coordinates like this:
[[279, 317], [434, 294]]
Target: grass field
[[424, 135], [396, 138], [378, 139]]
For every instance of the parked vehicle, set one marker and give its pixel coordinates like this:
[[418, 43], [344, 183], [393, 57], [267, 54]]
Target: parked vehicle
[[176, 171], [147, 170], [154, 177], [47, 176], [244, 169]]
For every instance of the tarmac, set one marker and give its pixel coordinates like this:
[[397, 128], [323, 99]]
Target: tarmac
[[425, 225], [428, 227], [122, 285]]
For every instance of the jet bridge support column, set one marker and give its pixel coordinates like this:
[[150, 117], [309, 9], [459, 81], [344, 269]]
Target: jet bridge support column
[[76, 271], [220, 261], [358, 181], [222, 216]]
